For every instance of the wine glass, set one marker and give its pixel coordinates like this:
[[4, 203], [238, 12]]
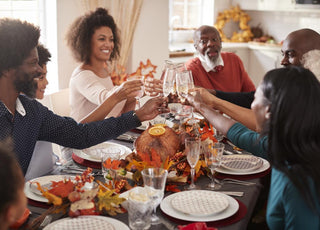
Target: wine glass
[[140, 92], [167, 64], [169, 82], [218, 135], [213, 154], [154, 180], [182, 84], [192, 150], [191, 90]]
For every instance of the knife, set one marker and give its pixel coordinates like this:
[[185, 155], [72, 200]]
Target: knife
[[167, 223], [232, 193]]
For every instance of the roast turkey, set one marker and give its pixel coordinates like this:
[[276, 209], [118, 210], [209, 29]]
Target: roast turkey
[[166, 144]]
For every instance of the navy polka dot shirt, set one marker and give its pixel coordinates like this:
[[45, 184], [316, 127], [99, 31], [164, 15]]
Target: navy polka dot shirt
[[39, 123]]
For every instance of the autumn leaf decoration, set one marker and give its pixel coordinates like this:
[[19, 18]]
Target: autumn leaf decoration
[[119, 75], [145, 70], [109, 201]]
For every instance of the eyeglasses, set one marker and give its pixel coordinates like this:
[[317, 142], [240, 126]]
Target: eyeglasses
[[206, 41]]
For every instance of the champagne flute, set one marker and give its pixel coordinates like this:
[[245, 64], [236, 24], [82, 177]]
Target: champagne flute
[[140, 92], [191, 88], [213, 154], [167, 64], [182, 84], [154, 180], [192, 150]]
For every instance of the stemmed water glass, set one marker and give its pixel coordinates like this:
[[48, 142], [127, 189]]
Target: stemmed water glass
[[154, 180], [139, 93], [192, 150], [218, 135], [213, 154]]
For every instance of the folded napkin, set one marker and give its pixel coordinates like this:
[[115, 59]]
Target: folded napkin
[[22, 219], [196, 226]]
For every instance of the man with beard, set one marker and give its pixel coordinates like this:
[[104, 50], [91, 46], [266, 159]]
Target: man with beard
[[295, 45], [26, 120], [214, 69]]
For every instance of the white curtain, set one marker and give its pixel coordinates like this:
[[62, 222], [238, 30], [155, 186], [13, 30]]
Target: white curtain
[[126, 15]]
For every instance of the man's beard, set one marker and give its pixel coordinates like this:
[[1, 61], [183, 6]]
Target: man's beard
[[26, 84], [211, 63]]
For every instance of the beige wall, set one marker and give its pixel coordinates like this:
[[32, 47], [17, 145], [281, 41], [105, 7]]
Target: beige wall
[[150, 40]]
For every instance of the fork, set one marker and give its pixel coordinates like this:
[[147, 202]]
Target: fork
[[234, 181]]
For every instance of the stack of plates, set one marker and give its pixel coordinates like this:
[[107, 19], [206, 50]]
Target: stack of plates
[[242, 165], [199, 205]]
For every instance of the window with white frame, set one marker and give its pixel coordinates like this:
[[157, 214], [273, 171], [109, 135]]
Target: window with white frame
[[37, 13], [190, 14]]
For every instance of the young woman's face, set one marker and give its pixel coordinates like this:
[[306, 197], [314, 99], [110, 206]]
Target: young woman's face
[[260, 109], [42, 83], [102, 44]]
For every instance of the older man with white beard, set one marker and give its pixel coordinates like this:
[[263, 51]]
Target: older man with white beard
[[217, 70]]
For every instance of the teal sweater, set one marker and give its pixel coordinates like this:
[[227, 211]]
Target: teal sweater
[[286, 207]]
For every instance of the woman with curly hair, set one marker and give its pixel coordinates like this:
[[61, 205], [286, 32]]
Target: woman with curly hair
[[94, 41]]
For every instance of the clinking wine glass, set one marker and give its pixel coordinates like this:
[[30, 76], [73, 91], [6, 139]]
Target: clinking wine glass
[[168, 86], [213, 154], [154, 180], [140, 92], [182, 85], [192, 150]]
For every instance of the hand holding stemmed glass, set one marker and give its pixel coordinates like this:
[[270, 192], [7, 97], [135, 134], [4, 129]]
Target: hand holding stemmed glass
[[213, 154], [154, 180], [192, 150]]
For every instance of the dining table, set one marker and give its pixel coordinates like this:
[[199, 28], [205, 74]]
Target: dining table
[[238, 221]]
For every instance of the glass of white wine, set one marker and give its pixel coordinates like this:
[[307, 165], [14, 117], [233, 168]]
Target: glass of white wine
[[192, 150], [140, 92], [182, 84]]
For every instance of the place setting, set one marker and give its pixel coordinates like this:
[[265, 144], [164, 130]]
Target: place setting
[[34, 195], [91, 157], [242, 166]]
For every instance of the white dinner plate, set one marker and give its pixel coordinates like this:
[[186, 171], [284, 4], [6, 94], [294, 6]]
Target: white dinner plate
[[32, 193], [167, 208], [93, 153], [199, 202], [87, 223], [264, 167], [241, 163]]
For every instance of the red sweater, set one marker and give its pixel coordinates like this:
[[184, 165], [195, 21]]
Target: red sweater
[[232, 78]]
